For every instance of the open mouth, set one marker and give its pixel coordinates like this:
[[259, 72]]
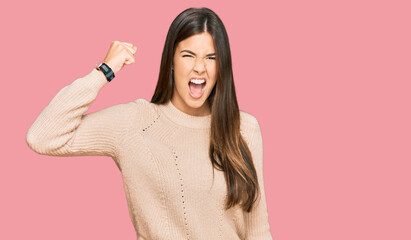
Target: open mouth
[[196, 87]]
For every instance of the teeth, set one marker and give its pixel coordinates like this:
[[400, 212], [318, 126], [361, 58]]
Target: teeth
[[197, 81]]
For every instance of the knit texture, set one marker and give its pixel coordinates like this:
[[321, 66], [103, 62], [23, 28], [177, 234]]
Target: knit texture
[[162, 154]]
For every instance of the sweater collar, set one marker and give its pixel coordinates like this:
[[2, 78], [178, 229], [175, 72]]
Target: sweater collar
[[181, 118]]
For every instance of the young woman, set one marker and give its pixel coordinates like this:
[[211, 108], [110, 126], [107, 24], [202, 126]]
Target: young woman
[[191, 161]]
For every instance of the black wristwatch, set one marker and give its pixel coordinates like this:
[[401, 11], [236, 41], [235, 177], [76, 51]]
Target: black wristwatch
[[106, 70]]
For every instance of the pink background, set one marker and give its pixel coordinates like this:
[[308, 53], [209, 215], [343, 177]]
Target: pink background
[[329, 82]]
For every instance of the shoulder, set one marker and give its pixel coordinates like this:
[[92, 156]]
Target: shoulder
[[144, 106], [144, 112], [248, 126], [141, 102], [128, 111], [141, 105], [248, 121]]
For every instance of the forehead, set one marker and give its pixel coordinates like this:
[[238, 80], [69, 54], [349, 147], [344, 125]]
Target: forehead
[[201, 42]]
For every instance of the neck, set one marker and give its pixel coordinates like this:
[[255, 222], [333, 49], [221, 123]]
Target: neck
[[204, 110], [184, 119]]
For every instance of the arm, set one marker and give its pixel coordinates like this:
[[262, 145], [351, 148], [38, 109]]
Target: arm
[[61, 129], [257, 225]]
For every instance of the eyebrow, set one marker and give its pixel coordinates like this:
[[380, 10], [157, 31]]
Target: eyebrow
[[188, 51]]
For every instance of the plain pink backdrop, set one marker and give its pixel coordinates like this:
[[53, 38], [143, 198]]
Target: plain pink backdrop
[[329, 82]]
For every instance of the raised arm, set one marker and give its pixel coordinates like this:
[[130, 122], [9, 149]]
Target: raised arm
[[257, 225], [62, 129]]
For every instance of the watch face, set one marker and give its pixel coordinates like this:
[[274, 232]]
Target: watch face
[[104, 67]]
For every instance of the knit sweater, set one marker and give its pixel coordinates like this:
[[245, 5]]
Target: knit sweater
[[162, 154]]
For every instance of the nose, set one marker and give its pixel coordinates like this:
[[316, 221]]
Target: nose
[[199, 66]]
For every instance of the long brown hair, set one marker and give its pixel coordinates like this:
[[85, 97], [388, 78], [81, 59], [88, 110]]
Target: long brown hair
[[228, 150]]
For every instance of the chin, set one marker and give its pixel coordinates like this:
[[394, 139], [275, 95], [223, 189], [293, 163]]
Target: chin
[[195, 103]]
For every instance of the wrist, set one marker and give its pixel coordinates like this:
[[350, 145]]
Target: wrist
[[100, 72], [106, 70]]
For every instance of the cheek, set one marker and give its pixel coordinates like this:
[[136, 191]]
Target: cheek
[[212, 72], [182, 68], [187, 65], [180, 76], [179, 80]]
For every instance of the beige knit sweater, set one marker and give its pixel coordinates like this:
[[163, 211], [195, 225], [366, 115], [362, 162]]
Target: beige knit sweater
[[162, 154]]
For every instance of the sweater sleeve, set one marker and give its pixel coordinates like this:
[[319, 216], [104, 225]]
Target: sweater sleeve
[[257, 225], [62, 129]]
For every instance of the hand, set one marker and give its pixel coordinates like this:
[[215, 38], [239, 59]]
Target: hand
[[120, 53]]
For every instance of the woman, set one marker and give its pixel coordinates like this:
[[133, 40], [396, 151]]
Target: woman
[[168, 149]]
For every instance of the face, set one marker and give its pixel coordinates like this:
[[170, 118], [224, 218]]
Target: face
[[195, 70]]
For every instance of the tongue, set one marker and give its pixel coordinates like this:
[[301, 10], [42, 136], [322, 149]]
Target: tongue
[[196, 89]]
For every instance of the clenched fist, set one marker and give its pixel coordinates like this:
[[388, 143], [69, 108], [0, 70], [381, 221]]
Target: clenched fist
[[120, 53]]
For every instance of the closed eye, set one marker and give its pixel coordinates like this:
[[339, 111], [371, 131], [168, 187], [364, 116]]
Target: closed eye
[[212, 58]]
